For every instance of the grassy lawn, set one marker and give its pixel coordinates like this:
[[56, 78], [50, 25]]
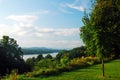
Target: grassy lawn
[[112, 72]]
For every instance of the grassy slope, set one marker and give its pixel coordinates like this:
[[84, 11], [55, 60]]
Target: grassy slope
[[112, 72]]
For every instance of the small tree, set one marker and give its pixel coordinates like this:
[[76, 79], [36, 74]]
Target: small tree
[[61, 54], [48, 56], [39, 57]]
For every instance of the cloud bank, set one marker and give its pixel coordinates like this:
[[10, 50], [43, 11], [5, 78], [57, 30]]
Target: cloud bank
[[29, 35]]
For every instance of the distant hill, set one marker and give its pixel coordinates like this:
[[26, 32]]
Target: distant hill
[[39, 50]]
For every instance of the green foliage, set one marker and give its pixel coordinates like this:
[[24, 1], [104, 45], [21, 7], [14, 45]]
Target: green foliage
[[48, 56], [45, 64], [13, 75], [39, 57], [61, 63], [73, 53], [11, 56], [64, 61], [83, 62], [77, 52], [47, 67], [30, 62], [21, 77], [101, 32], [43, 73], [89, 73], [63, 53]]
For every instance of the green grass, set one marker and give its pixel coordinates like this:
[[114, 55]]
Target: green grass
[[112, 72]]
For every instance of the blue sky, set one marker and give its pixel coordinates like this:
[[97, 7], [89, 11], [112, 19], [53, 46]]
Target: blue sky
[[43, 23]]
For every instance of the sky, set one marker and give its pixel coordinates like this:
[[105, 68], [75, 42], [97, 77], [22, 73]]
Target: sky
[[43, 23]]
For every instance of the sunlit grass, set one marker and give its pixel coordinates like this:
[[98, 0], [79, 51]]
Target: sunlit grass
[[112, 72]]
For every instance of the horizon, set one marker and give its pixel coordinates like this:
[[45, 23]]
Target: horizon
[[51, 24], [49, 48]]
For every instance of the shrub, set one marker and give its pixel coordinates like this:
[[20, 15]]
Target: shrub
[[21, 77], [48, 72], [45, 64], [43, 72], [64, 69], [83, 62], [64, 61], [77, 63], [92, 60], [47, 67], [13, 75]]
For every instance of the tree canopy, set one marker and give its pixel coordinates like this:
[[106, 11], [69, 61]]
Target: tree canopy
[[11, 56], [101, 30]]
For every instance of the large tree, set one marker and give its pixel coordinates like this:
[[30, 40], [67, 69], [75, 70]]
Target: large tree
[[10, 56], [101, 30]]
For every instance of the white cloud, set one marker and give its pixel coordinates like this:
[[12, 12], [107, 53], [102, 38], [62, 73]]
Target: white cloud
[[67, 32], [79, 5], [4, 29], [64, 10], [13, 30], [57, 32], [80, 8], [27, 34], [39, 12], [61, 44], [43, 12], [23, 29], [46, 37], [22, 26], [23, 18], [45, 30]]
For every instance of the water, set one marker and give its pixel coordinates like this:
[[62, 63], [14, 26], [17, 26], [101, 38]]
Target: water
[[25, 57]]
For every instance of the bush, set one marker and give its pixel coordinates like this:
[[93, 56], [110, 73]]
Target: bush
[[21, 77], [13, 75], [64, 61], [47, 67], [43, 72], [92, 60], [64, 69], [45, 64], [83, 62], [77, 63], [48, 72]]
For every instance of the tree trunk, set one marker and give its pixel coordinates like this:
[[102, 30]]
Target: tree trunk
[[103, 73]]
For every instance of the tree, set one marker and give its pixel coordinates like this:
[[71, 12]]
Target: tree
[[12, 48], [77, 52], [48, 56], [61, 54], [11, 56], [39, 57], [31, 63], [2, 60], [101, 30]]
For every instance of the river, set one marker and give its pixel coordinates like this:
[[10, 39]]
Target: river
[[25, 57]]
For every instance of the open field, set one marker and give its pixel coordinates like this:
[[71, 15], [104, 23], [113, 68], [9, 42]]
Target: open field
[[112, 72]]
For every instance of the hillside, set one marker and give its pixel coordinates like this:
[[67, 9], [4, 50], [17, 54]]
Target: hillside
[[39, 50], [90, 73]]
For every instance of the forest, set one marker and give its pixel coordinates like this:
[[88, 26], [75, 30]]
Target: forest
[[100, 34]]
